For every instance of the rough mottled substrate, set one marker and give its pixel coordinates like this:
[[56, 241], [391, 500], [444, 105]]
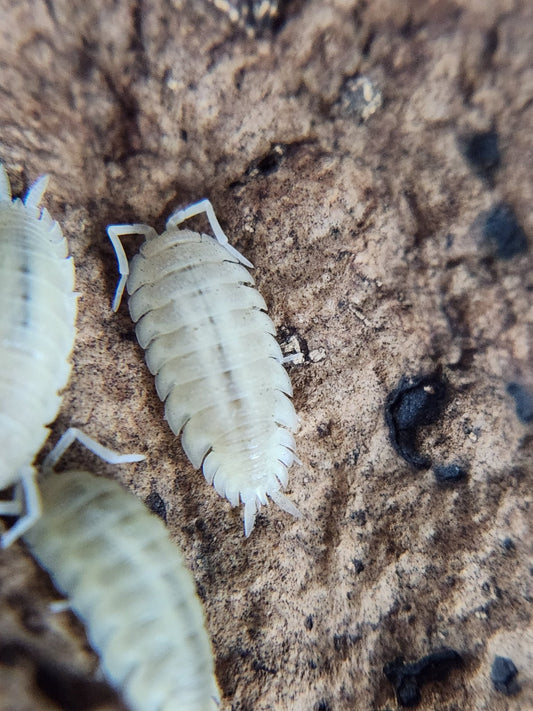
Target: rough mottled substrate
[[334, 152]]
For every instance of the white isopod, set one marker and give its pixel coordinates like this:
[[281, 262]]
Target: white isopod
[[218, 367], [37, 329], [128, 584]]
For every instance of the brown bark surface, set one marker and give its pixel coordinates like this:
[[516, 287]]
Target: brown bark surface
[[332, 144]]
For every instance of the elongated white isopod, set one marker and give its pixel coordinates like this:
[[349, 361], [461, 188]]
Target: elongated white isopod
[[218, 367], [128, 584], [37, 329]]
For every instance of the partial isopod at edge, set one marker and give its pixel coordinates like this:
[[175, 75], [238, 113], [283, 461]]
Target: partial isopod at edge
[[37, 330]]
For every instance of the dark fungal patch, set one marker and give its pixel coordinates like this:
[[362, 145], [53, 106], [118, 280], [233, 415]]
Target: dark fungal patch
[[503, 233], [523, 401], [407, 679], [502, 675], [416, 402]]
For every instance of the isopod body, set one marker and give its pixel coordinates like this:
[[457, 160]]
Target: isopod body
[[128, 583], [218, 368], [37, 329]]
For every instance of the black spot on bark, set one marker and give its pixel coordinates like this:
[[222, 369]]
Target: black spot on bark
[[358, 565], [482, 152], [523, 402], [503, 675], [414, 403], [268, 163], [447, 474], [156, 505], [503, 233], [408, 678]]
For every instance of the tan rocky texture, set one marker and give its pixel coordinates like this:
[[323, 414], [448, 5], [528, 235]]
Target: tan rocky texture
[[364, 228]]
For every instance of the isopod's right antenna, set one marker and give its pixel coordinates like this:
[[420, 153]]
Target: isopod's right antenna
[[73, 434], [199, 208], [36, 192], [5, 185], [115, 232]]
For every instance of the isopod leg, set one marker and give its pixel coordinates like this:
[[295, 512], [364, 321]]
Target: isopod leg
[[285, 503], [32, 507], [75, 435], [115, 232], [5, 185], [36, 192], [199, 208]]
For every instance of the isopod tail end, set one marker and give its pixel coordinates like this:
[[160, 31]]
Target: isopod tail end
[[36, 192], [5, 185], [285, 503], [250, 511]]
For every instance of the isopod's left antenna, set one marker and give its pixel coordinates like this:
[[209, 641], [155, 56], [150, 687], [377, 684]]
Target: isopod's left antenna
[[73, 434], [36, 192], [204, 207], [115, 232]]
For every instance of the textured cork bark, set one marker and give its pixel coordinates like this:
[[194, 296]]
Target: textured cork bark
[[373, 160]]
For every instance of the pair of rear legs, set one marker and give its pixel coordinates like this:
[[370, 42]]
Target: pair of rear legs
[[26, 502]]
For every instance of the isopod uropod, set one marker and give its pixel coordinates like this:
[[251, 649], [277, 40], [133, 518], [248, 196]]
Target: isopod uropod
[[37, 329], [128, 584], [218, 367]]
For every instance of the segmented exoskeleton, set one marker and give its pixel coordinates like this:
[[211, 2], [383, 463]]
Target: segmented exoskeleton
[[128, 584], [37, 317], [218, 367]]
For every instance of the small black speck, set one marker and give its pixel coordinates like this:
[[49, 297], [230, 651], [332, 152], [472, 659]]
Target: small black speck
[[482, 152], [259, 666], [184, 135], [415, 402], [352, 457], [358, 565], [503, 232], [523, 402], [449, 473], [309, 622], [156, 505], [322, 706], [341, 643], [359, 517], [324, 429], [503, 674]]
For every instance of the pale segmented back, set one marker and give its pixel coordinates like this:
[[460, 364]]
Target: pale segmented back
[[129, 584], [218, 367], [37, 329]]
